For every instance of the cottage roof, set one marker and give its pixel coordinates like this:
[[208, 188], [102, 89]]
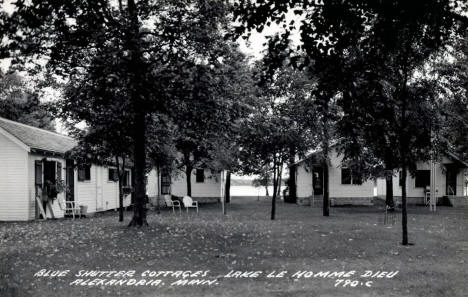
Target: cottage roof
[[38, 139], [314, 154]]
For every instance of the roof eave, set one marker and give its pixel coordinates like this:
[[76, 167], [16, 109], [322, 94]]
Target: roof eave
[[14, 139]]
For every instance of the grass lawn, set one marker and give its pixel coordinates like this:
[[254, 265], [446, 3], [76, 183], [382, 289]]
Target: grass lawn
[[351, 239]]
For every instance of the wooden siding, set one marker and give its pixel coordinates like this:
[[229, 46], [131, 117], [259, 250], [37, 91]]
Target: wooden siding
[[337, 190], [210, 188], [303, 181], [98, 196], [14, 202], [413, 191]]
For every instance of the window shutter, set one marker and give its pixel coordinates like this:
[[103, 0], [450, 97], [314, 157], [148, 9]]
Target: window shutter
[[200, 176], [88, 172], [38, 172], [59, 171]]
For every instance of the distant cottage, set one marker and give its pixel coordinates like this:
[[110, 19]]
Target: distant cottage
[[347, 187], [207, 185]]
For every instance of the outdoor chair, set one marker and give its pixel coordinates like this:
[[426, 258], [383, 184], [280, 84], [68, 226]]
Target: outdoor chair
[[69, 207], [189, 203], [172, 203], [427, 195]]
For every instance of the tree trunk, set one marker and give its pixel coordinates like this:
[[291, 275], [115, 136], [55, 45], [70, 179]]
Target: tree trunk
[[227, 189], [404, 149], [139, 121], [326, 193], [188, 175], [158, 194], [273, 199], [139, 157], [280, 180], [292, 177], [326, 148], [121, 213], [389, 189], [292, 198], [121, 175], [404, 215]]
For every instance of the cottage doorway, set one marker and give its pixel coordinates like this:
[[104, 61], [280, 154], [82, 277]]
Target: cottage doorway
[[38, 177], [451, 180], [317, 180], [70, 180]]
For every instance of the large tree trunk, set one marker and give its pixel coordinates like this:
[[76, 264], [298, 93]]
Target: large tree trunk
[[158, 194], [188, 175], [326, 149], [389, 189], [227, 189], [292, 198], [326, 192], [139, 157], [404, 215], [121, 175], [139, 121], [121, 212]]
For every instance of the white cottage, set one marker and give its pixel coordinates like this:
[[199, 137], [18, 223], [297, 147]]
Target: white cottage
[[29, 157], [345, 186], [448, 176], [207, 186]]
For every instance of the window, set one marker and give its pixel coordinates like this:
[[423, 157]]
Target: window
[[200, 174], [112, 175], [422, 178], [165, 182], [126, 179], [50, 171], [345, 176], [84, 173], [350, 177]]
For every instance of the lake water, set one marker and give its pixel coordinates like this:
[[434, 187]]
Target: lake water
[[252, 191]]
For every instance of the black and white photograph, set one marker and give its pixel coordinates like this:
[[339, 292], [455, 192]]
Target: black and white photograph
[[230, 148]]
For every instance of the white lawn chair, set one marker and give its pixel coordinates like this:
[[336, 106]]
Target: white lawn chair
[[69, 207], [172, 203], [189, 203]]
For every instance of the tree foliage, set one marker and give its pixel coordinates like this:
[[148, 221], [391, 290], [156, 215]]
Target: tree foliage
[[364, 55], [18, 102], [136, 50]]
